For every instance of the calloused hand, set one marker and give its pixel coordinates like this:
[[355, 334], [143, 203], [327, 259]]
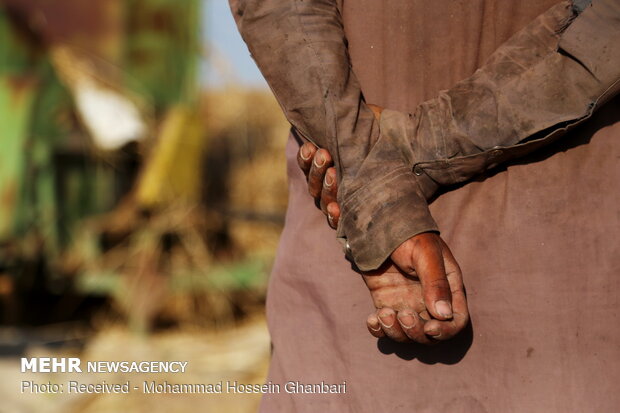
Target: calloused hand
[[418, 293], [317, 164]]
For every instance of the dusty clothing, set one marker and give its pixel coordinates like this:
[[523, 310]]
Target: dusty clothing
[[546, 79], [537, 242]]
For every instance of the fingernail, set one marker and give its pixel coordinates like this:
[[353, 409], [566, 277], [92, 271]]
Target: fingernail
[[387, 320], [406, 320], [433, 333], [374, 325], [329, 180], [319, 160], [305, 153], [443, 308]]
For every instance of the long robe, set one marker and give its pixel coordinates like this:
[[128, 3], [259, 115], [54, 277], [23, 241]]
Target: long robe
[[537, 241]]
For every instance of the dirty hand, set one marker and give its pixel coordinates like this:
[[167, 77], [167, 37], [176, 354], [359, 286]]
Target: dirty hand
[[317, 164], [419, 293]]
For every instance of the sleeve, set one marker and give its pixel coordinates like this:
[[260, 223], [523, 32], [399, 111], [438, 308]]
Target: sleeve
[[545, 80], [301, 49]]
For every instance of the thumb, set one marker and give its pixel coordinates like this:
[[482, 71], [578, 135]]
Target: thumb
[[421, 256]]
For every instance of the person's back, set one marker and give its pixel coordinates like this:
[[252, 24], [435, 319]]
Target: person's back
[[536, 241]]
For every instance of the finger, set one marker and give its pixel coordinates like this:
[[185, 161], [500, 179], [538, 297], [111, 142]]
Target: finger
[[422, 256], [329, 192], [391, 327], [413, 326], [333, 214], [431, 271], [320, 163], [447, 329], [304, 156], [374, 327]]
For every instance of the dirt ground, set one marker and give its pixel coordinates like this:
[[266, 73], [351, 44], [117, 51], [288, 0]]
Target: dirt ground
[[234, 353]]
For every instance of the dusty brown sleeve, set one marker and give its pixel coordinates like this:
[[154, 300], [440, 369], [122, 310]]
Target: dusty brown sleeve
[[301, 49], [545, 80]]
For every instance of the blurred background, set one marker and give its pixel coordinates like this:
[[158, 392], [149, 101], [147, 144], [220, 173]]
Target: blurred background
[[142, 193]]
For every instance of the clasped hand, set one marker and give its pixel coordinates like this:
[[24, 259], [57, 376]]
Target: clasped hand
[[418, 293]]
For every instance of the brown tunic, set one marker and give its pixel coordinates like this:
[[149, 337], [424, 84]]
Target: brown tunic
[[537, 242]]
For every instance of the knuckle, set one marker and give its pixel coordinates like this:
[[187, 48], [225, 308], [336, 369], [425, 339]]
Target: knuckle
[[313, 192], [415, 335], [439, 284], [326, 156], [462, 322]]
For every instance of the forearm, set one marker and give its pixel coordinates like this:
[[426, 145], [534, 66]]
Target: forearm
[[300, 48], [542, 82]]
